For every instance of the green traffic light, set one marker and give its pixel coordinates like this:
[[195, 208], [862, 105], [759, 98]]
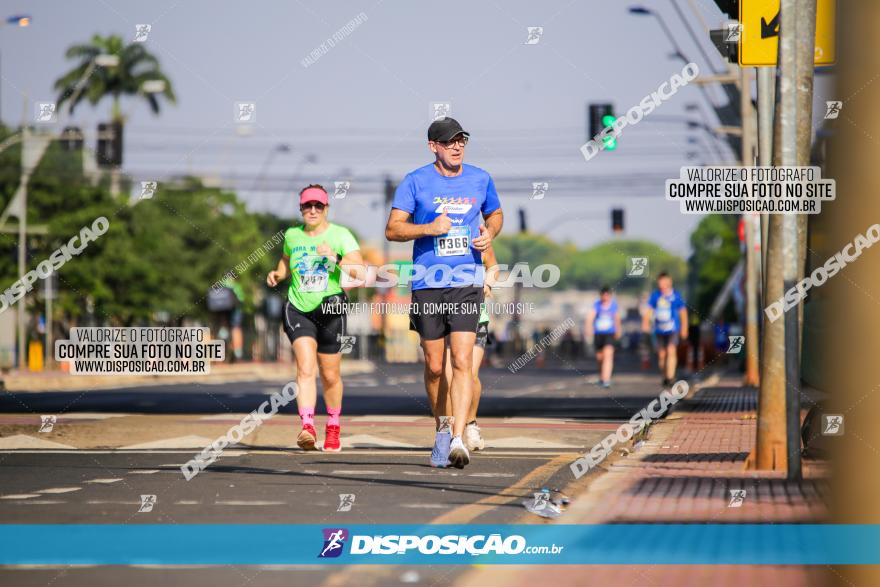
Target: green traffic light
[[609, 141]]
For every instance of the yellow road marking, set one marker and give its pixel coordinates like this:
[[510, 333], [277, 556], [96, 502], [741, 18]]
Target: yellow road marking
[[467, 513]]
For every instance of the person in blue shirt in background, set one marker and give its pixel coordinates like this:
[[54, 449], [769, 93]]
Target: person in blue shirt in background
[[667, 313], [603, 324]]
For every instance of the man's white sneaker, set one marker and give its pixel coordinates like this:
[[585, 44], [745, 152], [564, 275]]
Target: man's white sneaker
[[458, 454], [472, 437]]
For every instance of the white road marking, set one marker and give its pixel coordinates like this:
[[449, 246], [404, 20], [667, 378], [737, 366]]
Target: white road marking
[[23, 441], [242, 502], [91, 416], [187, 502], [104, 481], [39, 502], [111, 502], [427, 506], [437, 473], [518, 420], [386, 418], [144, 472], [491, 475], [59, 490], [370, 441], [524, 442], [356, 472], [190, 441], [19, 496]]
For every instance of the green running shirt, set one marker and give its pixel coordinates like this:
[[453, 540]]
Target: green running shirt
[[314, 277]]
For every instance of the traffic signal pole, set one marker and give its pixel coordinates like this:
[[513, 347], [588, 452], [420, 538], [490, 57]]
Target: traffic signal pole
[[751, 234]]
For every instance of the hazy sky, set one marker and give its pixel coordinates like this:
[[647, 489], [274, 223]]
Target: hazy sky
[[361, 110]]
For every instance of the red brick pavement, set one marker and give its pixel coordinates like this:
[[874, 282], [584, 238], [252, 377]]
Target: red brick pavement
[[685, 473]]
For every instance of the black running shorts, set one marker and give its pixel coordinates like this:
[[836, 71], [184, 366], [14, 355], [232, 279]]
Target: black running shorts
[[435, 312], [326, 323]]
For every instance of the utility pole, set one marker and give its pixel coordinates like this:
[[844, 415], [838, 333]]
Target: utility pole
[[766, 100], [782, 358], [752, 260], [770, 446], [386, 254], [796, 53], [805, 49], [22, 244]]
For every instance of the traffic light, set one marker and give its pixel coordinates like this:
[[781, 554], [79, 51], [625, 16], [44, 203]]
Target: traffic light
[[726, 39], [109, 152], [729, 7], [617, 219], [602, 116], [71, 138]]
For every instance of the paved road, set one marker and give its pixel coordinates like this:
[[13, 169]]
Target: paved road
[[537, 422], [392, 389]]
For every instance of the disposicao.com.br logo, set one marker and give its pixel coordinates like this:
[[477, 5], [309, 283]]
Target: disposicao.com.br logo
[[450, 544]]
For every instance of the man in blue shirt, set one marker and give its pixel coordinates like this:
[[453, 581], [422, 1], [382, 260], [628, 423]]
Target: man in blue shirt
[[603, 323], [667, 311], [439, 206]]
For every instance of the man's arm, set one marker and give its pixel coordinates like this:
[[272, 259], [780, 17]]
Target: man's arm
[[646, 318], [400, 227], [618, 326], [683, 316], [494, 222], [588, 324]]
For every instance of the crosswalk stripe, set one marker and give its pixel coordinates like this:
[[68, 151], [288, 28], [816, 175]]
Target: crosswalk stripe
[[23, 441]]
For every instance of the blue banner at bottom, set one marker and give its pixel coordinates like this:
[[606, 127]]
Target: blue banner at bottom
[[258, 544]]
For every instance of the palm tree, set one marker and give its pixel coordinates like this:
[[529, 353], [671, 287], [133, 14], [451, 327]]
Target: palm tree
[[135, 67]]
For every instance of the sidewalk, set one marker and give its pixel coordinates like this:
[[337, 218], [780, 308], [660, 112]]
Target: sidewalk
[[20, 381], [684, 473]]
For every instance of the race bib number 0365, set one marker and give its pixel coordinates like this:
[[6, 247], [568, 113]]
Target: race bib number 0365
[[455, 242]]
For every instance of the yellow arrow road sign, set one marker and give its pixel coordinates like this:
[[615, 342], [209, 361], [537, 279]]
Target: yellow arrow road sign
[[759, 39]]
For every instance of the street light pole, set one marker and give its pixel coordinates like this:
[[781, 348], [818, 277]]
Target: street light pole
[[22, 20]]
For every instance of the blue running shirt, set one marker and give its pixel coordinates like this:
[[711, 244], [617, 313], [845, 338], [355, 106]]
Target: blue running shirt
[[448, 260], [666, 311], [604, 321]]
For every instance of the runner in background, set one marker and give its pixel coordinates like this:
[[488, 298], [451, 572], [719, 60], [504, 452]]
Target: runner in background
[[473, 439], [314, 314], [604, 326], [667, 314]]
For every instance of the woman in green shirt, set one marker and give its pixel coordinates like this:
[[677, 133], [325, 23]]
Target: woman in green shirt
[[315, 254]]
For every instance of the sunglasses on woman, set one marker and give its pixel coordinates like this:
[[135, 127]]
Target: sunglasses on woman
[[316, 205]]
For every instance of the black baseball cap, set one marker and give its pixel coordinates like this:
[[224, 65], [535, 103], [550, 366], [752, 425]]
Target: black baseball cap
[[445, 129]]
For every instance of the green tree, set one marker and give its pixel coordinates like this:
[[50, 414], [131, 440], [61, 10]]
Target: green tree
[[136, 67], [716, 251], [603, 264]]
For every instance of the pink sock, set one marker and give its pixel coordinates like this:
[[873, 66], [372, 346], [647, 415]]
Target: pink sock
[[307, 415], [333, 416]]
